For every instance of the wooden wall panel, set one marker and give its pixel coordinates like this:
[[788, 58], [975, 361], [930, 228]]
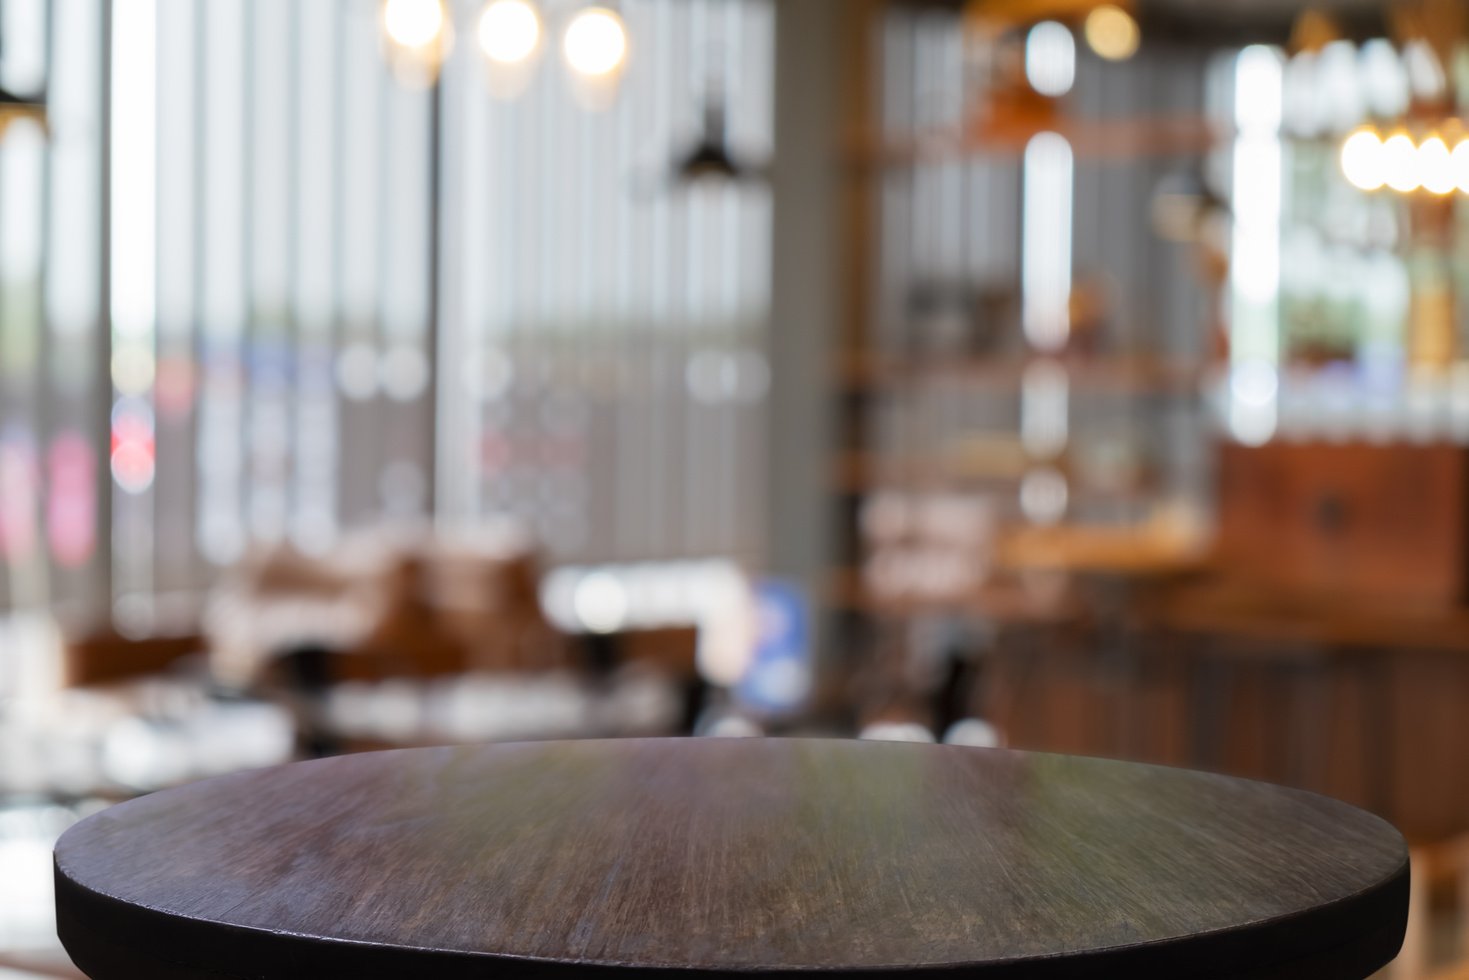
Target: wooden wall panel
[[1384, 729]]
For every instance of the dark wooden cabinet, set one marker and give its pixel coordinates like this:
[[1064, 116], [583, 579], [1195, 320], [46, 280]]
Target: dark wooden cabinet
[[1352, 520]]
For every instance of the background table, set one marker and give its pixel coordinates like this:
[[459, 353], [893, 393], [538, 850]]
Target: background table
[[556, 859]]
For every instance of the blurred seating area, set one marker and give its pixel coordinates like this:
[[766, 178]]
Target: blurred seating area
[[391, 641]]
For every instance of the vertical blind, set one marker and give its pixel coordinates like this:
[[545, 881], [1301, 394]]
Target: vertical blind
[[224, 325]]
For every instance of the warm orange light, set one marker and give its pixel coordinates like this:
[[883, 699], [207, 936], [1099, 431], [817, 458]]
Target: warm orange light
[[1435, 168], [1111, 32], [1400, 163], [1362, 160], [595, 42], [509, 31], [413, 23]]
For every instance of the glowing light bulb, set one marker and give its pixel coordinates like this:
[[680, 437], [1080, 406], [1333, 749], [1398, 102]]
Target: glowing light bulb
[[1400, 163], [509, 31], [1362, 160], [595, 42], [1111, 33], [1435, 167], [1050, 58], [1459, 165], [413, 23]]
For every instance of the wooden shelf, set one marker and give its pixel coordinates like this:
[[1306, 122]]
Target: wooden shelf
[[1113, 138], [1125, 375], [858, 472], [1131, 552], [995, 600]]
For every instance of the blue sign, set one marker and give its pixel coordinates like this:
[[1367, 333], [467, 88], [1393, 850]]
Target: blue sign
[[779, 676]]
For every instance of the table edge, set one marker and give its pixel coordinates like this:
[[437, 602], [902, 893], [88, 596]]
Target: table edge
[[97, 928]]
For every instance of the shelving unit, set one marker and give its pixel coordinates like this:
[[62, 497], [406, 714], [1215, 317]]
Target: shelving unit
[[945, 453]]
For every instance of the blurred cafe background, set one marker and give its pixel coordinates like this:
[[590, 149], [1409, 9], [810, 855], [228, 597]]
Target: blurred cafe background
[[1063, 375]]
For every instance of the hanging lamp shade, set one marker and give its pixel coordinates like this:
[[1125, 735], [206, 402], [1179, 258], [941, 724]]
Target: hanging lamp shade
[[710, 156], [16, 107]]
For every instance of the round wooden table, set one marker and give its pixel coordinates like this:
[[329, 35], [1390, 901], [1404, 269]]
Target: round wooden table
[[715, 857]]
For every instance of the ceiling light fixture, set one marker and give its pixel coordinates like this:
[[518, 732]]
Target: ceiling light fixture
[[418, 35], [413, 24], [595, 42], [1111, 33], [509, 31]]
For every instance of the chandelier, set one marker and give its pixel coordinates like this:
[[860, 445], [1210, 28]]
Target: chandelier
[[1435, 160], [419, 35]]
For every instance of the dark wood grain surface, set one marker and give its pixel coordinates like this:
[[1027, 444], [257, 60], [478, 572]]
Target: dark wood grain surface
[[709, 856]]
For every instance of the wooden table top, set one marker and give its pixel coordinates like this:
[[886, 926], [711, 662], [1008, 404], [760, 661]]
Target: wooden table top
[[708, 857]]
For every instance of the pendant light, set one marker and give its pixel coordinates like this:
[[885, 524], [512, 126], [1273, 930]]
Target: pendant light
[[14, 107]]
